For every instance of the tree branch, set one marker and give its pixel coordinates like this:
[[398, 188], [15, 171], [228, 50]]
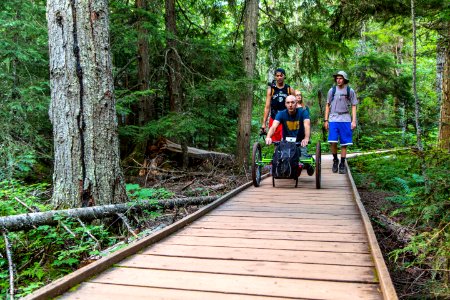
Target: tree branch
[[189, 21], [10, 264], [27, 221], [125, 67]]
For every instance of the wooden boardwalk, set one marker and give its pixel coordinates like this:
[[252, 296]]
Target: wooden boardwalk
[[263, 243]]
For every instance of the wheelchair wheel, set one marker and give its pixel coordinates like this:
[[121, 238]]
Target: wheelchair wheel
[[273, 181], [318, 165], [256, 166], [296, 181]]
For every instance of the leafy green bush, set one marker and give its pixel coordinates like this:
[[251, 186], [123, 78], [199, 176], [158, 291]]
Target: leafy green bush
[[48, 252], [424, 205]]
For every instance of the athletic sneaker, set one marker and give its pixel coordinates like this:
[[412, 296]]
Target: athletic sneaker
[[342, 169], [335, 165]]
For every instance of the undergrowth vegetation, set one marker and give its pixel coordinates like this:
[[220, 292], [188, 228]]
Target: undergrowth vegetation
[[422, 204], [47, 252]]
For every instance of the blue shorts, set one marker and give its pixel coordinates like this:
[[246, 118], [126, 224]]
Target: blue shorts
[[341, 131]]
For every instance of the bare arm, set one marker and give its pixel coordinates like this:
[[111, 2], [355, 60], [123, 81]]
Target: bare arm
[[267, 107], [327, 114], [272, 131], [353, 117], [307, 124]]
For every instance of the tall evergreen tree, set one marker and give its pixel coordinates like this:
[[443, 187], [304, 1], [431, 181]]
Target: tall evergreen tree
[[146, 105], [86, 163], [444, 120], [249, 61]]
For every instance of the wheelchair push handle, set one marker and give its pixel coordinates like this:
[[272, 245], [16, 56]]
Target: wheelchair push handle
[[262, 132], [296, 143]]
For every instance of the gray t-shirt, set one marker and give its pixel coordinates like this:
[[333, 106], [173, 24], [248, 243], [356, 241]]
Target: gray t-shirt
[[341, 106]]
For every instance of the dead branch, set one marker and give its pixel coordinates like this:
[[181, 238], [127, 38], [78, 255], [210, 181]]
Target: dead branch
[[89, 233], [24, 204], [10, 264], [27, 221], [124, 68], [127, 223], [67, 229]]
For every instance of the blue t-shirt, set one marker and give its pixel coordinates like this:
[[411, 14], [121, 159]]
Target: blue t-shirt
[[293, 124]]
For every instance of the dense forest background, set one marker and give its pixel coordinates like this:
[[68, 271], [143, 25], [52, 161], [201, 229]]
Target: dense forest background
[[372, 41], [179, 74]]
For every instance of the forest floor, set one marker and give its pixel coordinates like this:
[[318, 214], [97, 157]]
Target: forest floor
[[410, 283]]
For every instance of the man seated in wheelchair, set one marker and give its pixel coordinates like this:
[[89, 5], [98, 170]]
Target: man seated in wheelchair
[[296, 128]]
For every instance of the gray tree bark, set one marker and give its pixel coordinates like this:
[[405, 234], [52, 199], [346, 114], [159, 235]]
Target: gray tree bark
[[174, 71], [82, 109], [173, 62], [146, 105], [416, 97], [246, 100], [444, 120]]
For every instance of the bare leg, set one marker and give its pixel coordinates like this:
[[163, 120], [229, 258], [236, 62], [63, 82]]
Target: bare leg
[[344, 151], [333, 148], [335, 159]]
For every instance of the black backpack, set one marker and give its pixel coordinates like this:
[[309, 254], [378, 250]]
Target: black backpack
[[285, 160]]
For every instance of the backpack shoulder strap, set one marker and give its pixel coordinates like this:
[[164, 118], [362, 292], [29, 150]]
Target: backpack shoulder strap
[[333, 92], [348, 92], [290, 92]]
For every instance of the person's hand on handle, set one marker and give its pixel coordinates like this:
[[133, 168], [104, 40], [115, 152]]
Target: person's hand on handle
[[304, 142]]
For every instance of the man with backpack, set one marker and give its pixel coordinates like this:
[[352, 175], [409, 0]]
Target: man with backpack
[[277, 92], [337, 119]]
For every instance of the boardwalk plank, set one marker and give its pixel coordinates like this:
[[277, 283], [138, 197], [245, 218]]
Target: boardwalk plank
[[255, 268], [291, 215], [268, 219], [279, 227], [236, 253], [283, 209], [284, 235], [268, 244], [247, 285], [103, 291], [293, 206]]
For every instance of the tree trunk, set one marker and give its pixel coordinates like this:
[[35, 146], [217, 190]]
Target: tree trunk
[[146, 105], [444, 120], [416, 97], [82, 109], [245, 104], [398, 52], [322, 112], [173, 63], [174, 70]]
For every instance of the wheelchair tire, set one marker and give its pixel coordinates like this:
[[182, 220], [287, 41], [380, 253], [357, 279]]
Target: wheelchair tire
[[256, 167], [318, 165]]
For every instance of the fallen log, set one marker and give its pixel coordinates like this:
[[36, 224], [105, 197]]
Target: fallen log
[[195, 152], [402, 234], [28, 221]]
